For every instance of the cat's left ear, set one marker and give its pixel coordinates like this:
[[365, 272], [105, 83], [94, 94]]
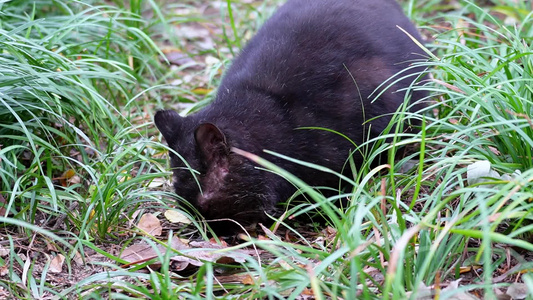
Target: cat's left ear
[[169, 124], [211, 141]]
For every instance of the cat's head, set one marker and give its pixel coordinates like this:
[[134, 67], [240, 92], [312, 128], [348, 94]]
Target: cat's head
[[206, 173]]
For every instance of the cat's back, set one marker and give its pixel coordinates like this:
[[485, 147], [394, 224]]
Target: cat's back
[[309, 44]]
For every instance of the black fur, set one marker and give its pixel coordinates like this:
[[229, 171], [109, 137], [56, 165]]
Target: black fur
[[313, 64]]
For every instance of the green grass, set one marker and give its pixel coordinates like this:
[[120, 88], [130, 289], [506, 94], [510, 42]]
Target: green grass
[[79, 84]]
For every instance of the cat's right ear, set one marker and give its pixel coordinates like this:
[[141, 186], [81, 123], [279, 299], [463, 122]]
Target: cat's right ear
[[169, 124]]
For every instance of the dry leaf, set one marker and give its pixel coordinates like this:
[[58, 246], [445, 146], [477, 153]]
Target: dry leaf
[[221, 244], [25, 268], [261, 237], [454, 286], [51, 247], [248, 280], [518, 290], [192, 258], [174, 216], [157, 182], [78, 259], [3, 251], [139, 253], [176, 57], [150, 224], [307, 292], [375, 273], [74, 180], [236, 278], [63, 179], [56, 266]]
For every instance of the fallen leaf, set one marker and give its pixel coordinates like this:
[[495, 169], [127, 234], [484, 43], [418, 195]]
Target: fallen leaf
[[51, 247], [428, 293], [176, 57], [138, 253], [422, 293], [4, 251], [518, 290], [452, 288], [141, 252], [4, 270], [501, 295], [78, 259], [63, 179], [307, 292], [74, 180], [222, 243], [191, 258], [236, 278], [56, 266], [157, 182], [174, 216], [191, 32], [150, 224], [248, 280], [263, 238], [375, 273]]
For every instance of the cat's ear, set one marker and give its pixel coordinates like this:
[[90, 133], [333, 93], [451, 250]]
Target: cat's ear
[[169, 123], [211, 141]]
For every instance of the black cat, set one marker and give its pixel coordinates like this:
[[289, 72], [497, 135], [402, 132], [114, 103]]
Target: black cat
[[313, 64]]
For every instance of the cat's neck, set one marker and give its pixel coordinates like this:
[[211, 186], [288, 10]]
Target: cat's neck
[[250, 117]]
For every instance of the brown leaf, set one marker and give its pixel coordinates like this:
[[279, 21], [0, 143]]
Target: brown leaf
[[63, 179], [51, 247], [3, 251], [139, 253], [236, 278], [205, 244], [150, 224], [307, 292], [192, 258], [176, 57], [78, 259], [4, 270], [56, 265], [263, 238], [248, 280]]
